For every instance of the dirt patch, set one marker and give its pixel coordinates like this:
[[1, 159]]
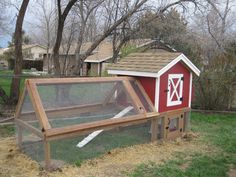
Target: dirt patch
[[114, 163], [232, 173], [185, 166]]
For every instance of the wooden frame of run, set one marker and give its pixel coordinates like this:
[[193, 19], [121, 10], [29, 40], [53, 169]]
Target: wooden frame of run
[[48, 133]]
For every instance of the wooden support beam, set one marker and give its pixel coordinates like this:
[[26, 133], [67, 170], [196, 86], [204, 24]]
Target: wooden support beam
[[139, 106], [47, 155], [75, 80], [19, 136], [154, 128], [37, 104], [103, 124]]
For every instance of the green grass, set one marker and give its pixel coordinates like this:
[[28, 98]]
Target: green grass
[[217, 131], [7, 130], [5, 82]]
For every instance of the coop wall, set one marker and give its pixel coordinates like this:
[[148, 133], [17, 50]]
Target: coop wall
[[178, 68], [149, 85]]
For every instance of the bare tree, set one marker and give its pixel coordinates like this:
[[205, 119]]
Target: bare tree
[[60, 26], [44, 26], [110, 28], [85, 9], [15, 86]]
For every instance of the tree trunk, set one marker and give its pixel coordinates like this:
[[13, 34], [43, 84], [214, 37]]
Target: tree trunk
[[4, 96], [60, 27], [15, 85]]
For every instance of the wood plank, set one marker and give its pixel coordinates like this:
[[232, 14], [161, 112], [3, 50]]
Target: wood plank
[[47, 155], [38, 107], [75, 80], [86, 132], [139, 106], [154, 128], [103, 124]]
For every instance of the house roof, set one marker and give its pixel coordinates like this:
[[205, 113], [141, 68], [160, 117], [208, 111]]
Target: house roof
[[28, 46], [150, 64], [102, 53], [24, 47]]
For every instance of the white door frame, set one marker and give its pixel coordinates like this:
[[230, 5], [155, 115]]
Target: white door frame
[[174, 92]]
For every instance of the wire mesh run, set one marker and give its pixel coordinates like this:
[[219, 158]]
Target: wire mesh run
[[77, 103]]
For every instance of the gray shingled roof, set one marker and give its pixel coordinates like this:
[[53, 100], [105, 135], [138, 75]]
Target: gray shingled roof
[[145, 62]]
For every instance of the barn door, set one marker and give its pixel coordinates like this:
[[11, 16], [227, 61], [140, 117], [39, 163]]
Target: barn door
[[175, 89]]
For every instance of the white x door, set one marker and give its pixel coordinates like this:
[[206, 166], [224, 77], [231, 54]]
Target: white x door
[[175, 89]]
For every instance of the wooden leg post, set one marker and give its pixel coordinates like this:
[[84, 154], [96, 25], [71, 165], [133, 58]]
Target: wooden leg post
[[187, 125], [165, 127], [19, 136], [47, 157], [154, 127]]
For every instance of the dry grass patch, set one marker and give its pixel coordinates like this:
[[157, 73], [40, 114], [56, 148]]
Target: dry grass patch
[[115, 163]]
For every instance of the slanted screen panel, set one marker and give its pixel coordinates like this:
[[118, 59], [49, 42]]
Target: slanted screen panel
[[76, 103], [28, 113]]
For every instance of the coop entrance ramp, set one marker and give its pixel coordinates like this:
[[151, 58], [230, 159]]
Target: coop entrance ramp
[[75, 110], [96, 133]]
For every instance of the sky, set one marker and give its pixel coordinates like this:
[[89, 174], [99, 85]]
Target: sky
[[29, 18]]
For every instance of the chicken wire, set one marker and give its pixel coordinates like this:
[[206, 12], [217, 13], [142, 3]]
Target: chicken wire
[[30, 144], [67, 150], [28, 113]]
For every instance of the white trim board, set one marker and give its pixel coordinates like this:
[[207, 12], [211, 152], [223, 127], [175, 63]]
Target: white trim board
[[181, 57], [157, 94], [97, 61], [91, 136], [190, 89], [131, 73]]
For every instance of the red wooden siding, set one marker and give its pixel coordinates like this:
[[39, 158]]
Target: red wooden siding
[[149, 85], [179, 68]]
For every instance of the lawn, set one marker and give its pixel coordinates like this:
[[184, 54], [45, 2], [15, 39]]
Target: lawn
[[217, 131], [5, 81]]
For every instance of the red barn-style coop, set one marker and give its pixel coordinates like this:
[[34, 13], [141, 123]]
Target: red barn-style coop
[[167, 79]]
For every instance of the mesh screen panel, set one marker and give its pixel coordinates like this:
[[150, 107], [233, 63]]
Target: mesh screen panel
[[76, 103], [28, 113], [31, 145], [66, 149]]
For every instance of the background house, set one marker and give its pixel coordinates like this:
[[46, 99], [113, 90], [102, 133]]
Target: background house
[[3, 61], [33, 55], [93, 65]]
